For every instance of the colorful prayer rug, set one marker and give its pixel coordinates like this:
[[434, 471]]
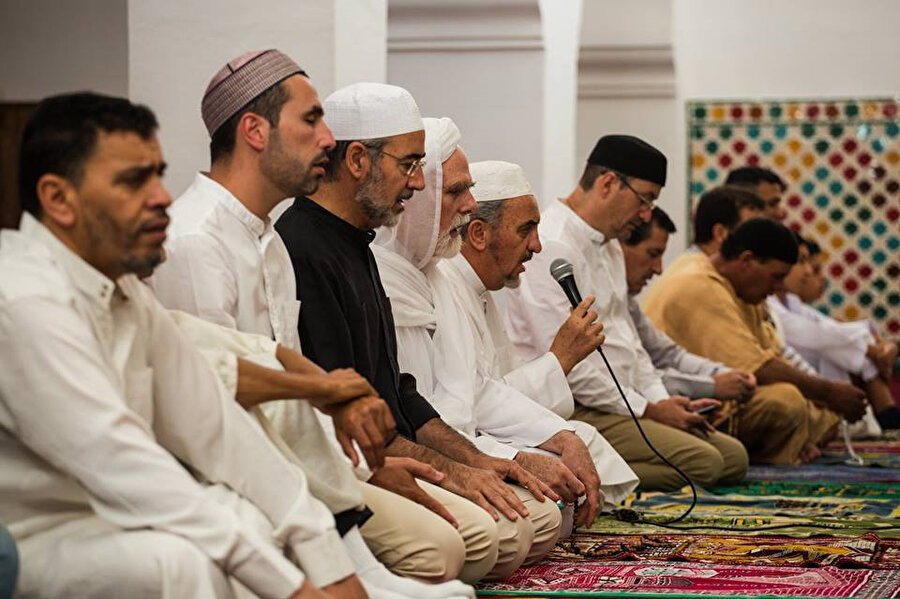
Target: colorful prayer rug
[[841, 161], [831, 473], [591, 578], [792, 488], [867, 551]]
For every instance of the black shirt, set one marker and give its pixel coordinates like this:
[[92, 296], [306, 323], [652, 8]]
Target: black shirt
[[345, 316]]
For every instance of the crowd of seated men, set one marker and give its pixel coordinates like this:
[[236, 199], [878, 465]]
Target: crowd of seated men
[[340, 364]]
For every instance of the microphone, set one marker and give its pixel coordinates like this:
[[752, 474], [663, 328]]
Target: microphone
[[562, 272]]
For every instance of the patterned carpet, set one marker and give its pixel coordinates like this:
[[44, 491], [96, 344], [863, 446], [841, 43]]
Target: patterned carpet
[[822, 530]]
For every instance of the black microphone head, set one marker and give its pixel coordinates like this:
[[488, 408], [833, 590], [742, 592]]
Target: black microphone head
[[560, 269]]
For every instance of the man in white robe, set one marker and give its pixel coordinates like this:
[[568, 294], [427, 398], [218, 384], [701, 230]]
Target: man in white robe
[[407, 256], [500, 238], [104, 401], [839, 351], [226, 263], [623, 177]]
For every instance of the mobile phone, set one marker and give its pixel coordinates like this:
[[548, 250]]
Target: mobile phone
[[707, 409]]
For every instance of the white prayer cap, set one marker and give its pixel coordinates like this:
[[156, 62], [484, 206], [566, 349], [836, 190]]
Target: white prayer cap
[[498, 180], [415, 236], [371, 111]]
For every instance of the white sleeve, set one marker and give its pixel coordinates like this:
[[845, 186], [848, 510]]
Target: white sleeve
[[220, 440], [537, 309], [543, 381], [71, 412], [196, 278]]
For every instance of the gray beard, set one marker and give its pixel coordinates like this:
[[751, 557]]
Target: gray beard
[[368, 196], [449, 245]]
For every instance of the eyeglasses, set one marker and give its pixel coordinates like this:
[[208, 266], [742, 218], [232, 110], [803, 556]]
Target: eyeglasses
[[408, 168], [646, 202]]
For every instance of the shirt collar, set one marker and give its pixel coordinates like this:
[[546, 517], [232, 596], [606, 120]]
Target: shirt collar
[[228, 201], [87, 279], [590, 232], [469, 275], [360, 236]]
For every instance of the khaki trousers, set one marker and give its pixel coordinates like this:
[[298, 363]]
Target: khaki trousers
[[717, 459], [411, 540], [778, 422]]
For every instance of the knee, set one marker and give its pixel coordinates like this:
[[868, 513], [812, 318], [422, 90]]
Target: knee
[[444, 554], [705, 465], [177, 559], [736, 461], [783, 405]]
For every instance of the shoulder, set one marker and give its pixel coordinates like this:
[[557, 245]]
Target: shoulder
[[33, 274]]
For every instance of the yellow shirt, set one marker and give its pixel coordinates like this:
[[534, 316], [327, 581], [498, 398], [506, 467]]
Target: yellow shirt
[[683, 261], [699, 309]]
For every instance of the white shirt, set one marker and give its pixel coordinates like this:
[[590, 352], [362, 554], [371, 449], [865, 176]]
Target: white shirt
[[227, 266], [538, 308], [100, 396], [825, 343], [683, 373]]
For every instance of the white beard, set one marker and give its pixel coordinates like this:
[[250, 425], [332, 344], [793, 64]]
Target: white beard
[[449, 244]]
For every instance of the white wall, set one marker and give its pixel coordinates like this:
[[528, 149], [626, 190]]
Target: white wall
[[480, 64], [176, 47], [51, 47], [360, 41]]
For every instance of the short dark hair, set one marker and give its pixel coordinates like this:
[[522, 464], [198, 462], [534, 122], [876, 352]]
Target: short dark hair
[[337, 154], [267, 105], [813, 247], [765, 238], [591, 173], [62, 133], [751, 176], [722, 205], [658, 217]]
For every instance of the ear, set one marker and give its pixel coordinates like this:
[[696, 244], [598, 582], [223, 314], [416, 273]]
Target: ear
[[358, 161], [58, 199], [746, 257], [719, 233], [254, 130], [603, 185], [478, 235]]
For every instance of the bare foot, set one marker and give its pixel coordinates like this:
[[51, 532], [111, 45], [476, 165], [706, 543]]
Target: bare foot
[[809, 453]]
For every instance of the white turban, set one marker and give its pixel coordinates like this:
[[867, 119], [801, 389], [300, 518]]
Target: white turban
[[498, 180], [416, 235], [371, 111]]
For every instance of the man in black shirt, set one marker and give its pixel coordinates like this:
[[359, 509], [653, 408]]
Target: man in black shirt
[[346, 321]]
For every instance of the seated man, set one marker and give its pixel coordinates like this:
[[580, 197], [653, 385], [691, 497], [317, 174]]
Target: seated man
[[104, 401], [227, 264], [719, 211], [623, 177], [683, 373], [838, 350], [450, 361], [713, 309], [763, 182], [346, 322], [500, 238]]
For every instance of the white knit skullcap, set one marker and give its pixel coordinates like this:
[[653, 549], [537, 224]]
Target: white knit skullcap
[[371, 111], [498, 180]]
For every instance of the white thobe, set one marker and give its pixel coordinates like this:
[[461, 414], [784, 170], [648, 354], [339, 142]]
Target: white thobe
[[541, 381], [835, 349], [538, 307], [93, 421], [226, 265], [683, 373]]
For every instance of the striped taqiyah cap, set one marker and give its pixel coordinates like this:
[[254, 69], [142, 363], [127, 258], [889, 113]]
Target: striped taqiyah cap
[[240, 81]]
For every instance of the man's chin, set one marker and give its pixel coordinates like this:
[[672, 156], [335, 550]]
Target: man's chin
[[512, 282]]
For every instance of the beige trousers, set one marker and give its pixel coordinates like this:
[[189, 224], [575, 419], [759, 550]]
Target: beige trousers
[[411, 540], [778, 422], [716, 459]]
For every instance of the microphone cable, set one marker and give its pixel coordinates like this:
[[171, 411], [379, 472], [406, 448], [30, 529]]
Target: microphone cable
[[563, 273]]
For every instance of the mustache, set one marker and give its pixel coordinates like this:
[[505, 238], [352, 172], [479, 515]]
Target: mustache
[[459, 221], [155, 223], [320, 159]]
